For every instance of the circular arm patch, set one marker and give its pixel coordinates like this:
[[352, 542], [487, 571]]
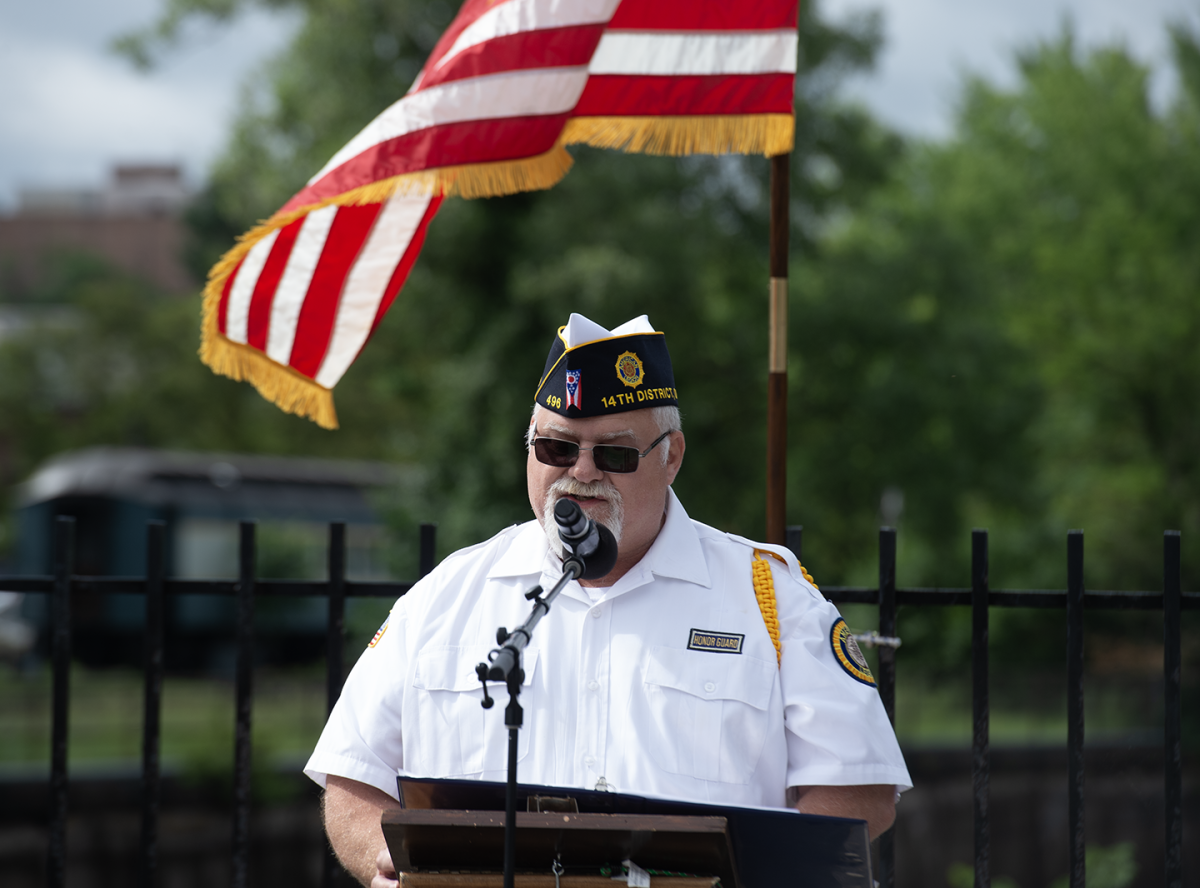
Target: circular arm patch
[[849, 657]]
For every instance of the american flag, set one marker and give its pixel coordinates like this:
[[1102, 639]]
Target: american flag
[[508, 86]]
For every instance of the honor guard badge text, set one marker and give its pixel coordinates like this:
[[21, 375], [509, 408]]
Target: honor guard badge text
[[630, 370], [575, 388], [715, 642], [849, 657], [379, 634]]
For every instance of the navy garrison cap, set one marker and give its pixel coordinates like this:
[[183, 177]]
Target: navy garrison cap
[[591, 371]]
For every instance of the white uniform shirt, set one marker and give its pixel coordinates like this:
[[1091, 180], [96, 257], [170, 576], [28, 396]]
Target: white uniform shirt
[[615, 685]]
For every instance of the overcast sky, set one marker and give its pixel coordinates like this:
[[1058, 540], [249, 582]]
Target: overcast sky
[[69, 108]]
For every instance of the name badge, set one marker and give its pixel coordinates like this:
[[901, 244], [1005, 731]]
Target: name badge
[[715, 642]]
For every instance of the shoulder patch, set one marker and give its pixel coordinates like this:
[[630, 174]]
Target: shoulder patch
[[847, 653], [379, 634]]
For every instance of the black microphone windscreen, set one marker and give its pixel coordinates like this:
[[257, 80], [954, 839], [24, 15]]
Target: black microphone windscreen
[[601, 562]]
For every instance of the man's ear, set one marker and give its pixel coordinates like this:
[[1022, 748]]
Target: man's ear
[[675, 455]]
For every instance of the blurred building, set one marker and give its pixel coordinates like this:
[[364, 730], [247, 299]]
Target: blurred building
[[134, 222]]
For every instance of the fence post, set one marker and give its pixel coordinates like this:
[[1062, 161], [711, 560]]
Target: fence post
[[428, 552], [980, 751], [337, 614], [152, 701], [1075, 708], [795, 540], [245, 691], [333, 656], [887, 675], [1172, 679], [60, 643]]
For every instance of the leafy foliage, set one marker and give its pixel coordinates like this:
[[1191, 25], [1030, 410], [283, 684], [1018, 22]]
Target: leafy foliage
[[1005, 332], [1048, 248], [993, 330], [457, 357]]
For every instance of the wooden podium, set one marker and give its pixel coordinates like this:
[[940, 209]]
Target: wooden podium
[[450, 834], [465, 849]]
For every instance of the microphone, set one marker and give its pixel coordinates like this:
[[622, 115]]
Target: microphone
[[590, 543]]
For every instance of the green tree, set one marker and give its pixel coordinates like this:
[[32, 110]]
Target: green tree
[[681, 240], [1005, 332], [1052, 237]]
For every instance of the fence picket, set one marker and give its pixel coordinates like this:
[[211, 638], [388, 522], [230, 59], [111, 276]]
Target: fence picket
[[980, 703], [887, 676], [1076, 850], [60, 621], [245, 694], [152, 713], [333, 656], [1173, 694]]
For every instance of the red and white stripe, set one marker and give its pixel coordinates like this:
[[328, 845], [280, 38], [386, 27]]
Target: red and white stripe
[[500, 85], [665, 59], [308, 295]]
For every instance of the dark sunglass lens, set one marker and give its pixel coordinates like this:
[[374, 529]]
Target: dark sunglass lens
[[554, 452], [615, 458]]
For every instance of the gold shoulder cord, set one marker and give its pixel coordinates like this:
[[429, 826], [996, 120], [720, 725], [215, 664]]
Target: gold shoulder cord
[[764, 591]]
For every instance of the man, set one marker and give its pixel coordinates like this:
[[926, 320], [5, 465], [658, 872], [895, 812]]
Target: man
[[703, 667]]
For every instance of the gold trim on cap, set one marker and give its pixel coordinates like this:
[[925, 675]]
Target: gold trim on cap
[[572, 348]]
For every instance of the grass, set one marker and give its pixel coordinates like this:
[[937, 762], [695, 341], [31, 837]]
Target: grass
[[105, 719], [1123, 698]]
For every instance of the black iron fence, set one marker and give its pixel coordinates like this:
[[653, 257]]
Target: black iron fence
[[156, 587]]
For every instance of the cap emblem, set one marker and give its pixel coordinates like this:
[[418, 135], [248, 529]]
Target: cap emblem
[[630, 370]]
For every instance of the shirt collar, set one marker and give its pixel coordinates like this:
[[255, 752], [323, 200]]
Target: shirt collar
[[676, 552], [526, 554]]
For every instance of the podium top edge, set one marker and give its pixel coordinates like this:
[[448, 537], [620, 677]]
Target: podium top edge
[[555, 820]]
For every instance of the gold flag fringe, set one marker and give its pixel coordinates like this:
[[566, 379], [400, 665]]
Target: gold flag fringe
[[765, 134], [288, 390], [291, 391]]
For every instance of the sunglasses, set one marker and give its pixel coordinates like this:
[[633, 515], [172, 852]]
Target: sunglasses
[[613, 458]]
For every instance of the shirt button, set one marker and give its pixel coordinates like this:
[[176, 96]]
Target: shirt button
[[710, 687], [595, 613], [593, 685], [589, 760]]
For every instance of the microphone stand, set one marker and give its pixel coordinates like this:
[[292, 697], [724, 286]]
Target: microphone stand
[[505, 665]]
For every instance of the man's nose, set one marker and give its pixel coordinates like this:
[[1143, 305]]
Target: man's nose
[[585, 469]]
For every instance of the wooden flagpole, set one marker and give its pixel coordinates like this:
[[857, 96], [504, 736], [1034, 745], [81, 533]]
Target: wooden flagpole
[[777, 353]]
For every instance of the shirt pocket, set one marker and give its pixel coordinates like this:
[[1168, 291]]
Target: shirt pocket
[[705, 715], [454, 735]]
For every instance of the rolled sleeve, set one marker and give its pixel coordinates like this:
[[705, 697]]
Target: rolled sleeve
[[362, 740], [837, 730]]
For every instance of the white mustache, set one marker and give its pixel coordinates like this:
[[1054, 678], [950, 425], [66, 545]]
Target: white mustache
[[570, 487], [614, 506]]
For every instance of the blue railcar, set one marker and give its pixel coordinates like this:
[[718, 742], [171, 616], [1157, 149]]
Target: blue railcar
[[201, 497]]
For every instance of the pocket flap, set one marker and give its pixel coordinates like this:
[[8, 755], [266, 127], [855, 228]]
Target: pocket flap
[[451, 668], [712, 676]]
